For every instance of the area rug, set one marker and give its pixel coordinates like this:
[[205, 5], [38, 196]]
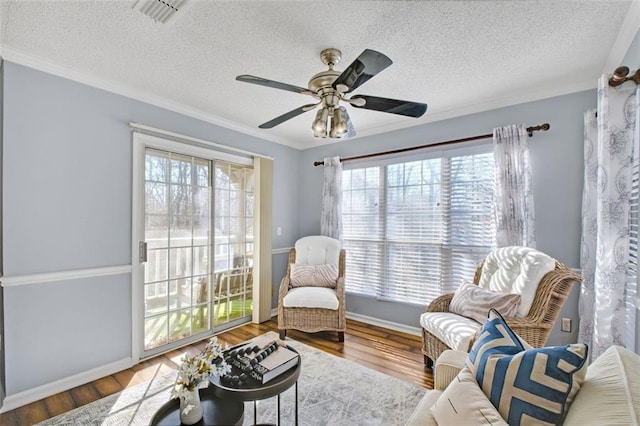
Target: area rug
[[331, 391]]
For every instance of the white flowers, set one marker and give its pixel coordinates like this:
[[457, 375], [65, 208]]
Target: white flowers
[[197, 369]]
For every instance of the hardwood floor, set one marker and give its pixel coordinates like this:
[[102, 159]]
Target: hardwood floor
[[390, 352]]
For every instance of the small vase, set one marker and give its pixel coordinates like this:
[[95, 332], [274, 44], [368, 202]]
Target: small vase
[[195, 413]]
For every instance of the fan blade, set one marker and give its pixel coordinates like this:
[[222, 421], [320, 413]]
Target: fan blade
[[287, 116], [393, 106], [271, 83], [352, 131], [367, 65]]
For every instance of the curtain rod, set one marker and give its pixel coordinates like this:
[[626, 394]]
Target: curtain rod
[[542, 127]]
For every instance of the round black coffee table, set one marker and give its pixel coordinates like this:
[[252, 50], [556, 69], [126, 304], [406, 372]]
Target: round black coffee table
[[216, 411], [254, 391]]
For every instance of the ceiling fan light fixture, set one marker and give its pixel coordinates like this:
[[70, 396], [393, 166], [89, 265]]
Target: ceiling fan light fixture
[[339, 123], [320, 123], [319, 134]]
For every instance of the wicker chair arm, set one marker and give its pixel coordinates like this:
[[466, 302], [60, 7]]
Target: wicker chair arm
[[532, 332], [284, 288], [340, 289], [522, 322], [440, 304]]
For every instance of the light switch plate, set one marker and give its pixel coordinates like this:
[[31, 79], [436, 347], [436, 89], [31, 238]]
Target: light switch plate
[[566, 325]]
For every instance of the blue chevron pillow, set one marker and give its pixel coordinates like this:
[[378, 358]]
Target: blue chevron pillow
[[527, 386]]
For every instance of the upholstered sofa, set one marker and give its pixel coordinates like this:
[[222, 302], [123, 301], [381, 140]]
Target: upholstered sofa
[[609, 395]]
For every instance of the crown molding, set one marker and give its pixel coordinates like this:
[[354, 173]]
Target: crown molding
[[628, 30], [22, 58]]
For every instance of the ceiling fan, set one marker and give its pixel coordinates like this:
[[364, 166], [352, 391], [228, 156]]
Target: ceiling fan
[[331, 87]]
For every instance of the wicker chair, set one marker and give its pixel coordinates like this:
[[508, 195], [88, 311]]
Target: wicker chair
[[551, 294], [314, 250]]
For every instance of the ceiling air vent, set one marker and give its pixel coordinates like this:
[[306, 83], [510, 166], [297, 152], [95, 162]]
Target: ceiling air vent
[[159, 10]]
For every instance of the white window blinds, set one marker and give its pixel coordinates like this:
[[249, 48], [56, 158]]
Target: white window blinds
[[631, 290], [415, 230]]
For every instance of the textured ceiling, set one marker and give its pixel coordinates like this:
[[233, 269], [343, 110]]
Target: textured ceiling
[[457, 56]]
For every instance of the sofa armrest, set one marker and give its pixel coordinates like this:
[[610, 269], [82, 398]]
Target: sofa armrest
[[447, 367]]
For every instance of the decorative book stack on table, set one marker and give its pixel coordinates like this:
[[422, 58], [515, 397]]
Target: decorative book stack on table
[[260, 361], [260, 368]]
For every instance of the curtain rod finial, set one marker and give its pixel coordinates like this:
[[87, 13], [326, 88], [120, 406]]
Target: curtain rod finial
[[543, 127]]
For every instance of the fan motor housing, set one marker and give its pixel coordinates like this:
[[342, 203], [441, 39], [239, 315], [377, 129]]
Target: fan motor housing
[[323, 79]]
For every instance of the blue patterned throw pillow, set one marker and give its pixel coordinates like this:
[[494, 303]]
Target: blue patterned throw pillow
[[527, 386]]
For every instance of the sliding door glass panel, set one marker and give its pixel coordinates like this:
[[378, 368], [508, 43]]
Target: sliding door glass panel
[[198, 272], [233, 217], [177, 232]]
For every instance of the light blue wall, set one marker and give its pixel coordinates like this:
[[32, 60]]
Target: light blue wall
[[632, 58], [67, 205], [556, 158]]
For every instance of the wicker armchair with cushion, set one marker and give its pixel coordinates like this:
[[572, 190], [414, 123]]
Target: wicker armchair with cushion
[[311, 295], [542, 283]]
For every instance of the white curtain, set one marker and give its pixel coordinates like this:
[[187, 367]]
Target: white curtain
[[607, 315], [331, 219], [515, 219]]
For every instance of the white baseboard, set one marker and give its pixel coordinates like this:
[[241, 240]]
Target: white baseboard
[[40, 392], [385, 324]]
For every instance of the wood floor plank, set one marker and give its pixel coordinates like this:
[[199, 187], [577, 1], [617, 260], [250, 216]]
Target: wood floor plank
[[387, 351], [33, 413], [59, 403], [107, 385], [85, 394], [9, 419]]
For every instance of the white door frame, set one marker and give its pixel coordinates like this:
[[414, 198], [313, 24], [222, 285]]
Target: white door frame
[[141, 142]]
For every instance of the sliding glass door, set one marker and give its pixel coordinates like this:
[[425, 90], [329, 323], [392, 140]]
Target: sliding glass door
[[197, 248]]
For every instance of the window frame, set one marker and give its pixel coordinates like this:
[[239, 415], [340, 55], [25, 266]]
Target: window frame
[[465, 149], [142, 142]]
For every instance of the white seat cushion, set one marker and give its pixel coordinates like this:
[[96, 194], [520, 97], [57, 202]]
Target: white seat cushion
[[453, 329], [516, 270], [311, 297]]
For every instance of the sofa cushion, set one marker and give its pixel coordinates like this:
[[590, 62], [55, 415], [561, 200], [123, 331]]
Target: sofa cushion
[[610, 394], [422, 415], [311, 297], [516, 270], [454, 330], [474, 302], [463, 402], [526, 386], [313, 275], [447, 367]]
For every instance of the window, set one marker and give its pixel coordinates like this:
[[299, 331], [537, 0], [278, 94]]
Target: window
[[415, 230]]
